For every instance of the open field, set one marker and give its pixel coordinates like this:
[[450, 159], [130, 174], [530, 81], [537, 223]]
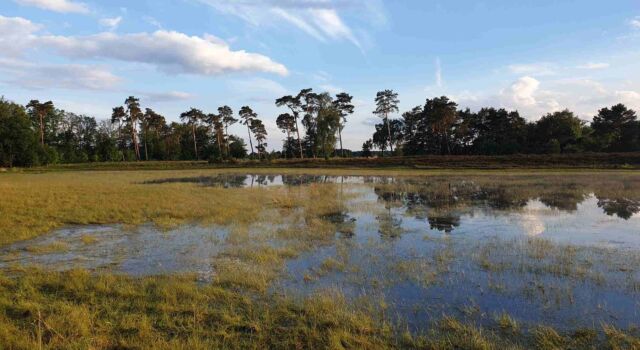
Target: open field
[[319, 258]]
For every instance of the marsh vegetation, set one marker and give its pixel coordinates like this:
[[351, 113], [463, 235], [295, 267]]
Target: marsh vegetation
[[320, 259]]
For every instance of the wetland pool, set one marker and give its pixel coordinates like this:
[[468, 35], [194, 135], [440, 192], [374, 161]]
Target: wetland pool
[[545, 249]]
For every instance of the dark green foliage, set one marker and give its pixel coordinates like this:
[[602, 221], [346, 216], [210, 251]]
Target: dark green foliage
[[439, 128], [381, 136], [386, 104], [343, 105], [496, 131], [367, 146], [260, 132], [40, 134], [237, 147], [18, 142], [557, 132], [616, 129]]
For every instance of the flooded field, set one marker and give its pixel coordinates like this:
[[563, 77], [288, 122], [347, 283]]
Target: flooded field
[[502, 251]]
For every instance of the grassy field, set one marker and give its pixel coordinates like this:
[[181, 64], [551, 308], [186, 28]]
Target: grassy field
[[34, 203], [84, 310]]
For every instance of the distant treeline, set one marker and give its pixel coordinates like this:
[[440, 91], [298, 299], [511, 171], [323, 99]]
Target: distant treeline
[[39, 133], [440, 128]]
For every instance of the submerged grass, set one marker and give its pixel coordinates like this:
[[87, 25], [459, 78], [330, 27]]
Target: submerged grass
[[75, 309]]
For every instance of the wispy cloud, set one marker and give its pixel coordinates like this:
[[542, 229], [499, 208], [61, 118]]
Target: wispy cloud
[[171, 96], [438, 72], [320, 19], [111, 23], [594, 66], [635, 22], [539, 69], [62, 6], [152, 21]]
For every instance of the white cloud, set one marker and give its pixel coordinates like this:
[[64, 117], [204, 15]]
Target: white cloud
[[320, 19], [67, 76], [332, 25], [582, 96], [62, 6], [635, 22], [522, 91], [299, 22], [152, 21], [630, 98], [170, 96], [169, 51], [15, 33], [111, 23], [438, 73], [538, 69], [594, 66]]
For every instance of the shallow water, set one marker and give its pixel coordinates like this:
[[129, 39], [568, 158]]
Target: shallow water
[[559, 250]]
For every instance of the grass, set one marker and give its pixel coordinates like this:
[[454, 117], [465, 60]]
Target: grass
[[48, 248], [88, 239], [75, 309]]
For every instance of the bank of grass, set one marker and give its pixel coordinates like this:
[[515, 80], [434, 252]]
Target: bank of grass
[[629, 160], [78, 310], [33, 204]]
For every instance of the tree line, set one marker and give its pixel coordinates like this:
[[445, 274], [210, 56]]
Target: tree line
[[439, 127], [312, 123]]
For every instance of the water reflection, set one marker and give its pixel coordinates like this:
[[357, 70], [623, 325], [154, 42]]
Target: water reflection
[[442, 200]]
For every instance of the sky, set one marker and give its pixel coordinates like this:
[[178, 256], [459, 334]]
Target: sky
[[534, 56]]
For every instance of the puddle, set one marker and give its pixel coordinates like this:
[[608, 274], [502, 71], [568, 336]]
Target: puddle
[[138, 252]]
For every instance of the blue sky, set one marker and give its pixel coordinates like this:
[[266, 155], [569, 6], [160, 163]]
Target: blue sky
[[535, 56]]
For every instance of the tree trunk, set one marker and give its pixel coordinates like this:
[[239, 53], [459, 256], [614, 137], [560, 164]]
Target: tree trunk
[[42, 130], [146, 148], [288, 144], [250, 142], [386, 118], [120, 138], [340, 135], [299, 142], [195, 144], [324, 148], [226, 138], [447, 143], [218, 137], [136, 147]]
